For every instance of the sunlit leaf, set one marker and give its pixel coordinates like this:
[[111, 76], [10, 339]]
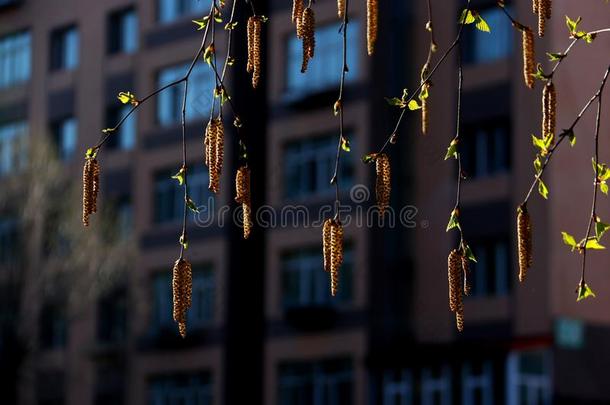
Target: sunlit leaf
[[453, 221], [467, 17], [345, 144], [542, 189], [191, 205], [414, 105], [369, 158], [127, 97], [600, 229], [469, 254], [584, 291], [452, 150], [184, 242], [481, 24], [180, 175], [569, 240]]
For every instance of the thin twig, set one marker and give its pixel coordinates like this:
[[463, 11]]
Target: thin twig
[[183, 238]]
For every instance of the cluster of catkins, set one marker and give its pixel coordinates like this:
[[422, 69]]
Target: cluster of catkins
[[242, 190], [91, 187], [382, 183], [304, 20], [458, 275], [543, 9], [524, 241], [214, 152], [253, 65], [332, 247], [549, 109], [182, 288], [529, 61]]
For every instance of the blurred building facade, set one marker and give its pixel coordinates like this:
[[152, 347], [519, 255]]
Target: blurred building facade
[[263, 328]]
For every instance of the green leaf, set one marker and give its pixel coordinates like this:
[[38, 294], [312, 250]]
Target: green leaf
[[91, 153], [572, 137], [395, 102], [569, 240], [584, 291], [542, 189], [453, 221], [180, 175], [202, 23], [537, 165], [209, 54], [603, 186], [184, 242], [414, 105], [231, 25], [468, 253], [540, 144], [345, 144], [191, 205], [600, 229], [452, 149], [423, 94], [593, 244], [481, 24], [370, 158], [540, 75], [572, 24], [127, 97], [467, 17], [555, 56]]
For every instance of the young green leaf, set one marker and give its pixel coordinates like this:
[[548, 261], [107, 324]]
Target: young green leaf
[[481, 24], [467, 17], [537, 165], [126, 97], [543, 190], [569, 240], [452, 149], [231, 26], [555, 56], [209, 54], [184, 242], [395, 102], [572, 24], [600, 229], [91, 153], [191, 205], [414, 105], [592, 244], [572, 137], [345, 144], [180, 176], [453, 221], [468, 253], [584, 291], [201, 23], [370, 158]]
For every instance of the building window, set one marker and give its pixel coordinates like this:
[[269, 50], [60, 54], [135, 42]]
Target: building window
[[490, 275], [65, 134], [125, 137], [169, 195], [477, 384], [528, 378], [485, 47], [170, 10], [198, 103], [13, 147], [123, 31], [183, 388], [326, 382], [305, 284], [64, 48], [397, 388], [201, 313], [109, 384], [15, 58], [8, 240], [112, 317], [309, 164], [486, 149], [53, 326], [324, 71], [436, 386], [124, 208]]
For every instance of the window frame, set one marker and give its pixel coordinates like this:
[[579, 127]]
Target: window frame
[[116, 31], [65, 48], [15, 58]]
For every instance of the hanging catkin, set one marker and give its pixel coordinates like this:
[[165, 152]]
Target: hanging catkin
[[297, 15], [336, 255], [220, 140], [340, 8], [524, 241], [308, 26], [91, 186], [549, 109], [382, 183], [529, 60], [454, 264], [466, 274], [242, 186], [214, 152], [326, 230], [372, 15], [548, 5], [543, 10], [535, 6], [182, 288], [255, 25]]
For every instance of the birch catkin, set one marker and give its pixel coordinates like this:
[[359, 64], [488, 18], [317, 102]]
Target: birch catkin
[[549, 109], [242, 186], [297, 15], [308, 26], [250, 39], [382, 183], [182, 288], [454, 264], [340, 8], [524, 241], [528, 56], [326, 231], [255, 23], [336, 255], [372, 15], [466, 274], [543, 9], [214, 152], [91, 186]]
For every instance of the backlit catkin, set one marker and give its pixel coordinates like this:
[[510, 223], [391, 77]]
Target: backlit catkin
[[242, 186], [91, 186], [529, 60], [454, 264], [382, 183], [425, 119], [466, 274], [214, 152], [297, 15], [336, 255], [182, 288], [340, 8], [255, 26], [549, 109], [326, 230], [372, 15], [535, 6], [543, 10], [524, 241], [308, 26]]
